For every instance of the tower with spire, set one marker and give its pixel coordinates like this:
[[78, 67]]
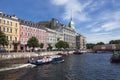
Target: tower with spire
[[71, 23]]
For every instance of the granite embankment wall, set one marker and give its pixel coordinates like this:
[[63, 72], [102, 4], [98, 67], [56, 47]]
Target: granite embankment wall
[[9, 59], [29, 54]]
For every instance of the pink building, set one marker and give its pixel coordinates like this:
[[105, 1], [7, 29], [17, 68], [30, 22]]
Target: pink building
[[29, 29]]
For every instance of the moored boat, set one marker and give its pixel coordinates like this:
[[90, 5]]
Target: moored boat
[[115, 58]]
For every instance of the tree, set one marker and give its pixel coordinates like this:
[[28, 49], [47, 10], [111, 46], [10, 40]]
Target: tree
[[49, 47], [3, 39], [90, 45], [114, 42], [33, 42], [100, 43], [61, 44], [41, 45], [66, 45]]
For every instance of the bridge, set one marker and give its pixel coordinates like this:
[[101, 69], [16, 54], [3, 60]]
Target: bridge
[[107, 47]]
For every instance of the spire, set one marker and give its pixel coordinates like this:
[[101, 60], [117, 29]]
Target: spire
[[71, 15], [71, 23]]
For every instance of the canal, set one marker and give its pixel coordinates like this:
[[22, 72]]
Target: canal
[[75, 67]]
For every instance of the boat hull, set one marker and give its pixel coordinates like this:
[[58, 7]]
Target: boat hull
[[50, 59], [115, 59], [57, 60]]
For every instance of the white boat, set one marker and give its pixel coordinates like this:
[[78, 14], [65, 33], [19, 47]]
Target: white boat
[[47, 59]]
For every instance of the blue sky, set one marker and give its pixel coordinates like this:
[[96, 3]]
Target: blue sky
[[97, 20]]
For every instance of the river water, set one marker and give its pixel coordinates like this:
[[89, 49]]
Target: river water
[[75, 67]]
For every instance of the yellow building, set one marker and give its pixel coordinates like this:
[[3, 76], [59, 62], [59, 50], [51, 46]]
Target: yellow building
[[10, 26]]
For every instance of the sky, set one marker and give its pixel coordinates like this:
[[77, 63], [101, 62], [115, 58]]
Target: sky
[[97, 20]]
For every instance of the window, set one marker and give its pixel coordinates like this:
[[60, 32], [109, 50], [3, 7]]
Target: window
[[8, 22], [7, 29], [28, 34], [16, 24], [22, 33], [15, 31], [4, 29], [11, 23], [7, 37], [10, 38], [11, 30], [4, 21], [10, 46], [15, 39], [0, 20]]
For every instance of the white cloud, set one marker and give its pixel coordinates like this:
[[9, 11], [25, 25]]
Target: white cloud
[[60, 2], [103, 33], [95, 29], [104, 37], [105, 22], [75, 7], [98, 37], [111, 26]]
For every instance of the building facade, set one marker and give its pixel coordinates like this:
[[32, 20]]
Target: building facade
[[10, 26], [69, 36], [52, 24], [29, 29], [53, 37], [80, 42], [67, 32], [18, 32]]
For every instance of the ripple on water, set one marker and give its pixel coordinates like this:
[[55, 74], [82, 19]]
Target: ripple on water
[[75, 67]]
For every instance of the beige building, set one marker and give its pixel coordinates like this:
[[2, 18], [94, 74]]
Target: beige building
[[10, 26], [80, 42]]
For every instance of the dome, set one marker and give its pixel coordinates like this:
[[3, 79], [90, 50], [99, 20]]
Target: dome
[[71, 24]]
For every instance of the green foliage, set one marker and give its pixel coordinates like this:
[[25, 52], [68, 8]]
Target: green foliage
[[114, 42], [100, 43], [90, 45], [3, 39], [49, 46], [65, 45], [41, 45], [62, 44], [33, 42]]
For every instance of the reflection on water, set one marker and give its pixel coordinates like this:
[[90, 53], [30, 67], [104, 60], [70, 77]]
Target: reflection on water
[[75, 67]]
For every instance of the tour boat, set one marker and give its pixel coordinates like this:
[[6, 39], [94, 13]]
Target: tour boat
[[57, 59], [47, 59]]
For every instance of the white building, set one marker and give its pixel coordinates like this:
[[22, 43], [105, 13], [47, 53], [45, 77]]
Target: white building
[[53, 37]]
